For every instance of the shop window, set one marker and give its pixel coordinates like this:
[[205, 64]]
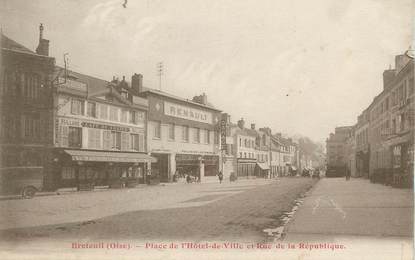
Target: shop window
[[92, 109], [116, 140], [157, 129], [185, 133], [68, 173], [171, 132], [114, 114], [77, 107], [94, 138], [75, 137]]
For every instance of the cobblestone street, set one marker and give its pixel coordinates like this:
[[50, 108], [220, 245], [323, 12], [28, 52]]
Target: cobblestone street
[[229, 211]]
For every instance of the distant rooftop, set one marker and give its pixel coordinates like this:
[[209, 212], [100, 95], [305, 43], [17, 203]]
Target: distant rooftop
[[165, 94]]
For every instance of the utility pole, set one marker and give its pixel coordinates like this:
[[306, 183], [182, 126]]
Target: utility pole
[[160, 72]]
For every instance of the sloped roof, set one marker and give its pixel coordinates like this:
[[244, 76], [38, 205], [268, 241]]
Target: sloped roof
[[146, 91], [7, 43], [94, 85]]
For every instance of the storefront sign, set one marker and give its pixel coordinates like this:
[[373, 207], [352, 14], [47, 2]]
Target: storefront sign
[[69, 122], [105, 127], [188, 113], [197, 152]]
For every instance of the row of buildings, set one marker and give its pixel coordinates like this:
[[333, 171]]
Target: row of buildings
[[85, 131], [380, 146]]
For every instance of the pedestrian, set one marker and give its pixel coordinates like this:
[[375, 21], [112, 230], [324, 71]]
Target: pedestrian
[[347, 174], [220, 175]]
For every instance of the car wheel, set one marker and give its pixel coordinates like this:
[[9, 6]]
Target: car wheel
[[28, 192]]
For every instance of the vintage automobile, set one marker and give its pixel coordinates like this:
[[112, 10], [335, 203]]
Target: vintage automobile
[[335, 171], [24, 181]]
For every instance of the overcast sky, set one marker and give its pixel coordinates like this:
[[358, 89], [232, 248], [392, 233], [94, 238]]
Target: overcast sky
[[297, 66]]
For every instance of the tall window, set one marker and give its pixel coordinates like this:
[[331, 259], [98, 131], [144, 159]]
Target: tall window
[[171, 132], [31, 85], [124, 116], [137, 142], [134, 142], [205, 134], [114, 113], [157, 130], [91, 109], [196, 136], [185, 133], [208, 136], [94, 138], [31, 126], [116, 140], [77, 107], [103, 111], [75, 137], [136, 117]]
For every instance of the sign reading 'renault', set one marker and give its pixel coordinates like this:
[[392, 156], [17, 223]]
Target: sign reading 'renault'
[[188, 113]]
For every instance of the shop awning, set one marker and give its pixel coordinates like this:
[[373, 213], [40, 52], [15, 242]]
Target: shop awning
[[263, 166], [101, 156]]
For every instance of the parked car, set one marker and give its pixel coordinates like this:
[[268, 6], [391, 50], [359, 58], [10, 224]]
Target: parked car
[[24, 181], [335, 172]]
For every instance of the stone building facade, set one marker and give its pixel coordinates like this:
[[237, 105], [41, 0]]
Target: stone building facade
[[25, 104]]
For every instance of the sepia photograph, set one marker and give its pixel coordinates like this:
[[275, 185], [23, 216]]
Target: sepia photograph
[[196, 129]]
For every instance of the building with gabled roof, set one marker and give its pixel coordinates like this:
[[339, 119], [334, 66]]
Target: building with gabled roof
[[25, 104]]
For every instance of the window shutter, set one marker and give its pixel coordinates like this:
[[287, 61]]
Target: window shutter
[[125, 142], [107, 140]]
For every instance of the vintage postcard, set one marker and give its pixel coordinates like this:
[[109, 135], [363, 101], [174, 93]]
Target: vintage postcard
[[195, 129]]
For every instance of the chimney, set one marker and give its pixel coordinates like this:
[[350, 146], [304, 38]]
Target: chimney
[[241, 123], [204, 99], [400, 62], [253, 126], [43, 47], [137, 82], [388, 76]]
